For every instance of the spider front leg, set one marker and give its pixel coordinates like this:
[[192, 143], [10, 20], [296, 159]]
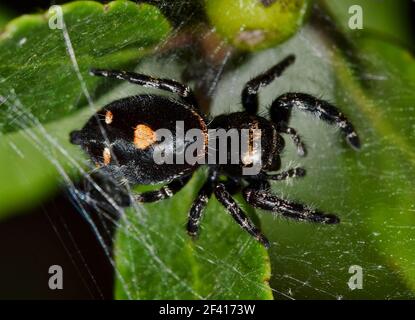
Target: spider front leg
[[146, 81], [250, 92], [282, 106], [284, 175], [238, 215], [301, 149], [199, 205], [164, 192], [260, 197]]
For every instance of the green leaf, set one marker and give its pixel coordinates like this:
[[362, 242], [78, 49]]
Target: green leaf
[[388, 105], [388, 19], [36, 65], [43, 91], [156, 259]]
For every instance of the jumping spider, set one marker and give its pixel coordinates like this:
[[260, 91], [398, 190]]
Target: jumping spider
[[129, 125]]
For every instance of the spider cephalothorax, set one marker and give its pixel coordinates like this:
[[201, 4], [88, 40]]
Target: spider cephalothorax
[[122, 139]]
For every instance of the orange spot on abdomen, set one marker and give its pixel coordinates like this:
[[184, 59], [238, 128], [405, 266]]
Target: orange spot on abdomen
[[144, 136], [109, 117], [106, 154]]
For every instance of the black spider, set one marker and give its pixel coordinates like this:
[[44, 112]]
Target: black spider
[[121, 139]]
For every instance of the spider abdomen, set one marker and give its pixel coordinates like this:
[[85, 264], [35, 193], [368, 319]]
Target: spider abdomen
[[135, 131]]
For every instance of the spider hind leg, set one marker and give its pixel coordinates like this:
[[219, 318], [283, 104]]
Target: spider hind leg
[[261, 198], [238, 215]]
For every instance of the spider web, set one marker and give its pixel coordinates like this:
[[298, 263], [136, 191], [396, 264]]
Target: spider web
[[307, 261]]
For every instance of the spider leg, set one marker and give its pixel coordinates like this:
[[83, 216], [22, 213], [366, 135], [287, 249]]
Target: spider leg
[[301, 149], [281, 109], [239, 216], [259, 197], [290, 173], [169, 85], [198, 206], [164, 192], [250, 91]]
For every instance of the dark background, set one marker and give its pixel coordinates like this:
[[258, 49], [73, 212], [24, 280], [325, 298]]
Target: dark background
[[55, 233]]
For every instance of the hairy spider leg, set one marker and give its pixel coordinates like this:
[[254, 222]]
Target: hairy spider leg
[[232, 185], [250, 91], [238, 215], [284, 175], [258, 195], [164, 192], [169, 85], [198, 207], [301, 148], [282, 106]]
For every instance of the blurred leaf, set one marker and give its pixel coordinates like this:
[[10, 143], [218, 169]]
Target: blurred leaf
[[39, 84], [387, 18], [156, 259]]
